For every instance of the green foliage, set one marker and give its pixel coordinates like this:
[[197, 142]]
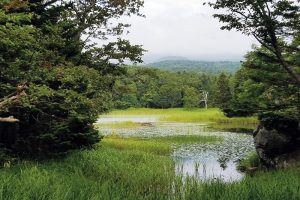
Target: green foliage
[[125, 94], [262, 86], [191, 98], [153, 88], [223, 93], [251, 161], [137, 144], [274, 24], [52, 79], [269, 80], [104, 173], [169, 96], [157, 145], [108, 173], [197, 66], [61, 117]]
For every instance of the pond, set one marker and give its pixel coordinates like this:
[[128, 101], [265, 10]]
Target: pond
[[205, 161]]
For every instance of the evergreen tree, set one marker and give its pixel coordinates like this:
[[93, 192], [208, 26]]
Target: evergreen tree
[[52, 79], [191, 98], [263, 87], [222, 94]]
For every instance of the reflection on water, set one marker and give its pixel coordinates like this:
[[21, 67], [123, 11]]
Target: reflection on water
[[214, 161], [208, 170], [206, 161]]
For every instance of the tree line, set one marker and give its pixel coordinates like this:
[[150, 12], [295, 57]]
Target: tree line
[[155, 88], [260, 87]]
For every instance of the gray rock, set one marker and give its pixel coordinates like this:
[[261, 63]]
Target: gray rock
[[277, 142]]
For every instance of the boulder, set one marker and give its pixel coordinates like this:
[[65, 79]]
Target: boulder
[[277, 141]]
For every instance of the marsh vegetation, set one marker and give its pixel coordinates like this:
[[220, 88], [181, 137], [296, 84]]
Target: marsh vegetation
[[162, 161], [182, 133], [188, 137]]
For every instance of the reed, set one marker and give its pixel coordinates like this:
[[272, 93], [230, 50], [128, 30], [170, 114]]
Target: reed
[[109, 173], [183, 115]]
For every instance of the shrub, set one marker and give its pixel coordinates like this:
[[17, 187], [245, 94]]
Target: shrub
[[249, 162], [58, 117]]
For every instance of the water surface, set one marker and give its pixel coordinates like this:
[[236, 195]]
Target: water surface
[[205, 161]]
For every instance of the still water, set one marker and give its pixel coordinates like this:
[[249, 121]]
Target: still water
[[205, 161]]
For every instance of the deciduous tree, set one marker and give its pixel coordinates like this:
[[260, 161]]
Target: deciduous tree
[[273, 23]]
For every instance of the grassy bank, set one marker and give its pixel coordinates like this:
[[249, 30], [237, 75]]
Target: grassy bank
[[133, 173], [212, 115]]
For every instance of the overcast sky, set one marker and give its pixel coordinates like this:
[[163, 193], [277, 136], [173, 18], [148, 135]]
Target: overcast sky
[[185, 28]]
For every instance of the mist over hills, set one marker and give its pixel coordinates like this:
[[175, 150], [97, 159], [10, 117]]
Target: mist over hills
[[172, 58], [214, 67]]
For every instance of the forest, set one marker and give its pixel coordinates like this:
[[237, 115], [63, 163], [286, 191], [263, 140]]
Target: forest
[[154, 88], [251, 90], [78, 122], [181, 64]]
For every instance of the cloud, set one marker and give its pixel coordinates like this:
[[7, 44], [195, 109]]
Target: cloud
[[185, 28]]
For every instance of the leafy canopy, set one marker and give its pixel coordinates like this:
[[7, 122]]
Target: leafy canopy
[[274, 24]]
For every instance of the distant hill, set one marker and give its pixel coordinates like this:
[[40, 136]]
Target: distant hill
[[197, 66], [172, 58]]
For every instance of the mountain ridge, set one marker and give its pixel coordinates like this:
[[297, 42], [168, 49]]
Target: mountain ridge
[[214, 67]]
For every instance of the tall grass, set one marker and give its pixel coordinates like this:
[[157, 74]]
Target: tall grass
[[136, 169], [156, 145], [234, 126], [148, 146], [272, 185], [183, 115], [104, 173], [108, 173]]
